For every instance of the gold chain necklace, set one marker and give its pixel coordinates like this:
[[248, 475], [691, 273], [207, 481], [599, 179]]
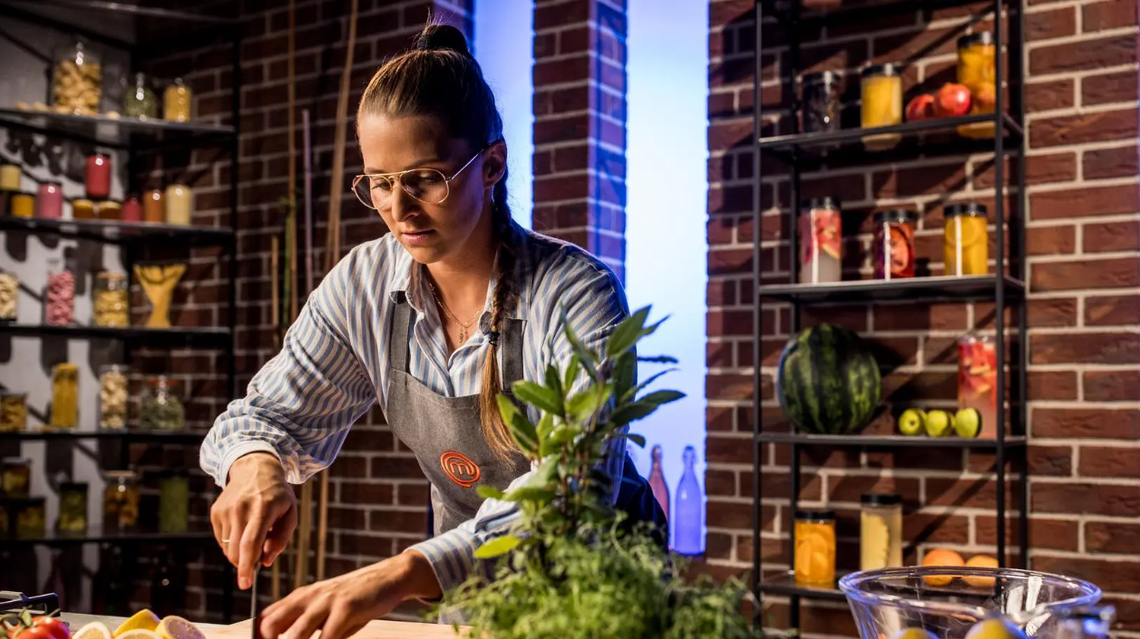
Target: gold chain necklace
[[462, 327]]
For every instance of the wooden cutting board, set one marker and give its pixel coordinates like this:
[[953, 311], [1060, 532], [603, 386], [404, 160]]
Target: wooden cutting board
[[374, 630]]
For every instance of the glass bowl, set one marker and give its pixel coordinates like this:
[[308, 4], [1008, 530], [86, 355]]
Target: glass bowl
[[947, 602]]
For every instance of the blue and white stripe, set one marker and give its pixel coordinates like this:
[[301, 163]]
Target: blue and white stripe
[[334, 365]]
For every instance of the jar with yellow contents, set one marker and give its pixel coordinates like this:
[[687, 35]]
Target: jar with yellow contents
[[966, 242], [65, 396], [815, 548], [882, 104], [976, 55]]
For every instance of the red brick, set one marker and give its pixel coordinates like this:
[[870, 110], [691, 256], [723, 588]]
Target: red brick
[[1052, 385], [364, 493], [1046, 25], [1080, 423], [553, 15], [853, 318], [402, 521], [1110, 87], [1085, 274], [1046, 96], [1110, 163], [850, 488], [928, 528], [1088, 127], [346, 518], [1056, 534], [843, 55], [1112, 236], [1110, 575], [1098, 16], [891, 352], [727, 386], [729, 515], [918, 181], [396, 468], [1085, 498], [1107, 461], [1127, 612], [903, 46], [1114, 386], [1101, 536], [917, 387], [1081, 56], [721, 483], [1084, 202], [350, 544], [728, 450], [1050, 240], [563, 129], [1087, 348], [1052, 312], [848, 188], [930, 459], [778, 484], [1054, 461], [413, 494], [1115, 310], [968, 493], [920, 317]]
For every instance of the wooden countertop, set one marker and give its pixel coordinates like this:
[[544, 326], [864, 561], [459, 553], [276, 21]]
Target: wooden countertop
[[374, 630]]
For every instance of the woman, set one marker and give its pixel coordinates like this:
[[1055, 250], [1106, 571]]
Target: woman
[[433, 321]]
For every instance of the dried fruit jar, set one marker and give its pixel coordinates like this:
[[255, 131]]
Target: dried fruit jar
[[894, 244], [65, 396], [111, 305], [13, 412], [977, 380], [15, 478], [880, 531], [59, 300], [113, 395], [882, 104], [821, 241], [966, 243], [77, 79], [976, 54], [9, 297], [121, 500], [815, 548]]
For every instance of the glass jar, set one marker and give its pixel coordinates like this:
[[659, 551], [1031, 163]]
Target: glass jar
[[31, 518], [820, 102], [821, 241], [10, 177], [881, 91], [13, 412], [23, 204], [132, 209], [65, 396], [880, 531], [894, 244], [15, 478], [966, 243], [9, 297], [77, 81], [72, 508], [139, 101], [59, 299], [977, 381], [179, 204], [173, 502], [97, 181], [160, 408], [113, 395], [82, 209], [815, 548], [109, 210], [976, 56], [111, 306], [154, 209], [121, 500], [176, 102], [49, 201], [5, 525]]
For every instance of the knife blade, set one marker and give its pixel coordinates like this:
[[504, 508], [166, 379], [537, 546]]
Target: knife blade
[[253, 600]]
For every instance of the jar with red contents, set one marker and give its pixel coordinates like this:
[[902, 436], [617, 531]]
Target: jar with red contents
[[98, 182], [894, 244], [821, 241]]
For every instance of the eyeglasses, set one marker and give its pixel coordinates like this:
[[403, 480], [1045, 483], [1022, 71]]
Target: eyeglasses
[[426, 185]]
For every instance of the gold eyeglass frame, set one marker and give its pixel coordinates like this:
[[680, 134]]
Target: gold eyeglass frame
[[396, 177]]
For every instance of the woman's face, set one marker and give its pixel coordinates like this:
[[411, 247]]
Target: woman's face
[[432, 231]]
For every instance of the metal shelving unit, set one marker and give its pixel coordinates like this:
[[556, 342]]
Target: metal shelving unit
[[843, 149]]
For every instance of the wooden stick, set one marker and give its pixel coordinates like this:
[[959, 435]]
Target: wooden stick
[[275, 312], [332, 246], [322, 524], [291, 220], [305, 533]]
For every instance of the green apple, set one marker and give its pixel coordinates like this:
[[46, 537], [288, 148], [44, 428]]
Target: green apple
[[938, 423], [912, 422], [968, 423]]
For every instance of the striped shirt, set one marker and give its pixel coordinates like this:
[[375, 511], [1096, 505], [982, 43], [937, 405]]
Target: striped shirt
[[334, 364]]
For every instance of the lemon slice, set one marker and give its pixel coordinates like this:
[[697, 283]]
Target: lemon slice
[[93, 630], [141, 620], [174, 627], [139, 633]]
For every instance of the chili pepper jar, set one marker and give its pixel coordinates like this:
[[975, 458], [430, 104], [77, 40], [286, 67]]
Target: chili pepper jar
[[821, 241], [966, 242], [815, 548], [882, 105], [894, 244]]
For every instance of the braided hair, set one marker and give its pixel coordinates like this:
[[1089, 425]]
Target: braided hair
[[440, 78]]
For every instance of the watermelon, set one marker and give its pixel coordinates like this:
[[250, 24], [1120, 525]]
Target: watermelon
[[828, 381]]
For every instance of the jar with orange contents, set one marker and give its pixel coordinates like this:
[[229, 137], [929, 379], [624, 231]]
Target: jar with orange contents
[[815, 548], [966, 242], [976, 60]]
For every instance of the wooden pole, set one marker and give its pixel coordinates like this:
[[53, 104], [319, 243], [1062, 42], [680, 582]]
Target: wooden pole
[[275, 313]]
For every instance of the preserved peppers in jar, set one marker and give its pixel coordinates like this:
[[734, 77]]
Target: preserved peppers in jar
[[65, 396], [880, 531], [121, 500], [821, 242], [977, 380], [72, 508], [113, 395], [966, 244], [976, 55], [881, 91], [13, 412], [815, 548], [894, 244], [111, 307], [820, 102]]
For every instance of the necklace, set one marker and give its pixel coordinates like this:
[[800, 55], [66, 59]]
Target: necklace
[[462, 327]]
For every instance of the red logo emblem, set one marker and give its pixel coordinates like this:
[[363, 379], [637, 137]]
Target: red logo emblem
[[460, 469]]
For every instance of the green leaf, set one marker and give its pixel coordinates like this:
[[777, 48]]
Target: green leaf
[[637, 439], [627, 333], [531, 493], [553, 381], [545, 426], [585, 403], [496, 547], [572, 370], [658, 359], [546, 472], [624, 374], [544, 398], [658, 398], [631, 412], [631, 393], [489, 492], [522, 431], [562, 435]]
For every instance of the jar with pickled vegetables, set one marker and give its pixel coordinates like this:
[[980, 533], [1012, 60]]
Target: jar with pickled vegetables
[[977, 380], [139, 101], [72, 508], [113, 394], [821, 241], [882, 104], [815, 548], [65, 396], [31, 517], [894, 244], [976, 57], [966, 243], [13, 412], [173, 502], [160, 408], [15, 478], [121, 500], [77, 81]]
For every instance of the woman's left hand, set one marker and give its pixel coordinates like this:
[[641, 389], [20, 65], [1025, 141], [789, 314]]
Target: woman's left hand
[[341, 606]]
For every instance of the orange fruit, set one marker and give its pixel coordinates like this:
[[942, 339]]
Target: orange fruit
[[941, 557], [981, 561]]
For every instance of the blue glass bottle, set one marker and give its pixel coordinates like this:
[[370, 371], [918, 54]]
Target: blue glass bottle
[[688, 515]]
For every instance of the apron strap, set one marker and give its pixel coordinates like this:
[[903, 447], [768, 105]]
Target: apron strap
[[401, 333], [511, 354]]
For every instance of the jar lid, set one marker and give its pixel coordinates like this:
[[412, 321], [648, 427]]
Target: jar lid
[[120, 474], [825, 202], [27, 193], [27, 501], [983, 38], [896, 215], [825, 515], [51, 183], [15, 461], [82, 202], [972, 209], [885, 69], [73, 485], [12, 393], [881, 499], [822, 77]]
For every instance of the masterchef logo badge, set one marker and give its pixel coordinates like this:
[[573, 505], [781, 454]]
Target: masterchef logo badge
[[459, 468]]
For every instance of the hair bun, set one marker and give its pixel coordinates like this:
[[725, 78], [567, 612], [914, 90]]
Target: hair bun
[[442, 37]]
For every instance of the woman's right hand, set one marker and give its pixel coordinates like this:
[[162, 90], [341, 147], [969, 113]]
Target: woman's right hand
[[255, 515]]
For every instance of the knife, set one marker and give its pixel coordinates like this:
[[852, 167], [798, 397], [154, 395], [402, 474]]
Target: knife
[[253, 600]]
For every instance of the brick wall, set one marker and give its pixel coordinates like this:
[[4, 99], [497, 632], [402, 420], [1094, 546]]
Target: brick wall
[[1083, 306]]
